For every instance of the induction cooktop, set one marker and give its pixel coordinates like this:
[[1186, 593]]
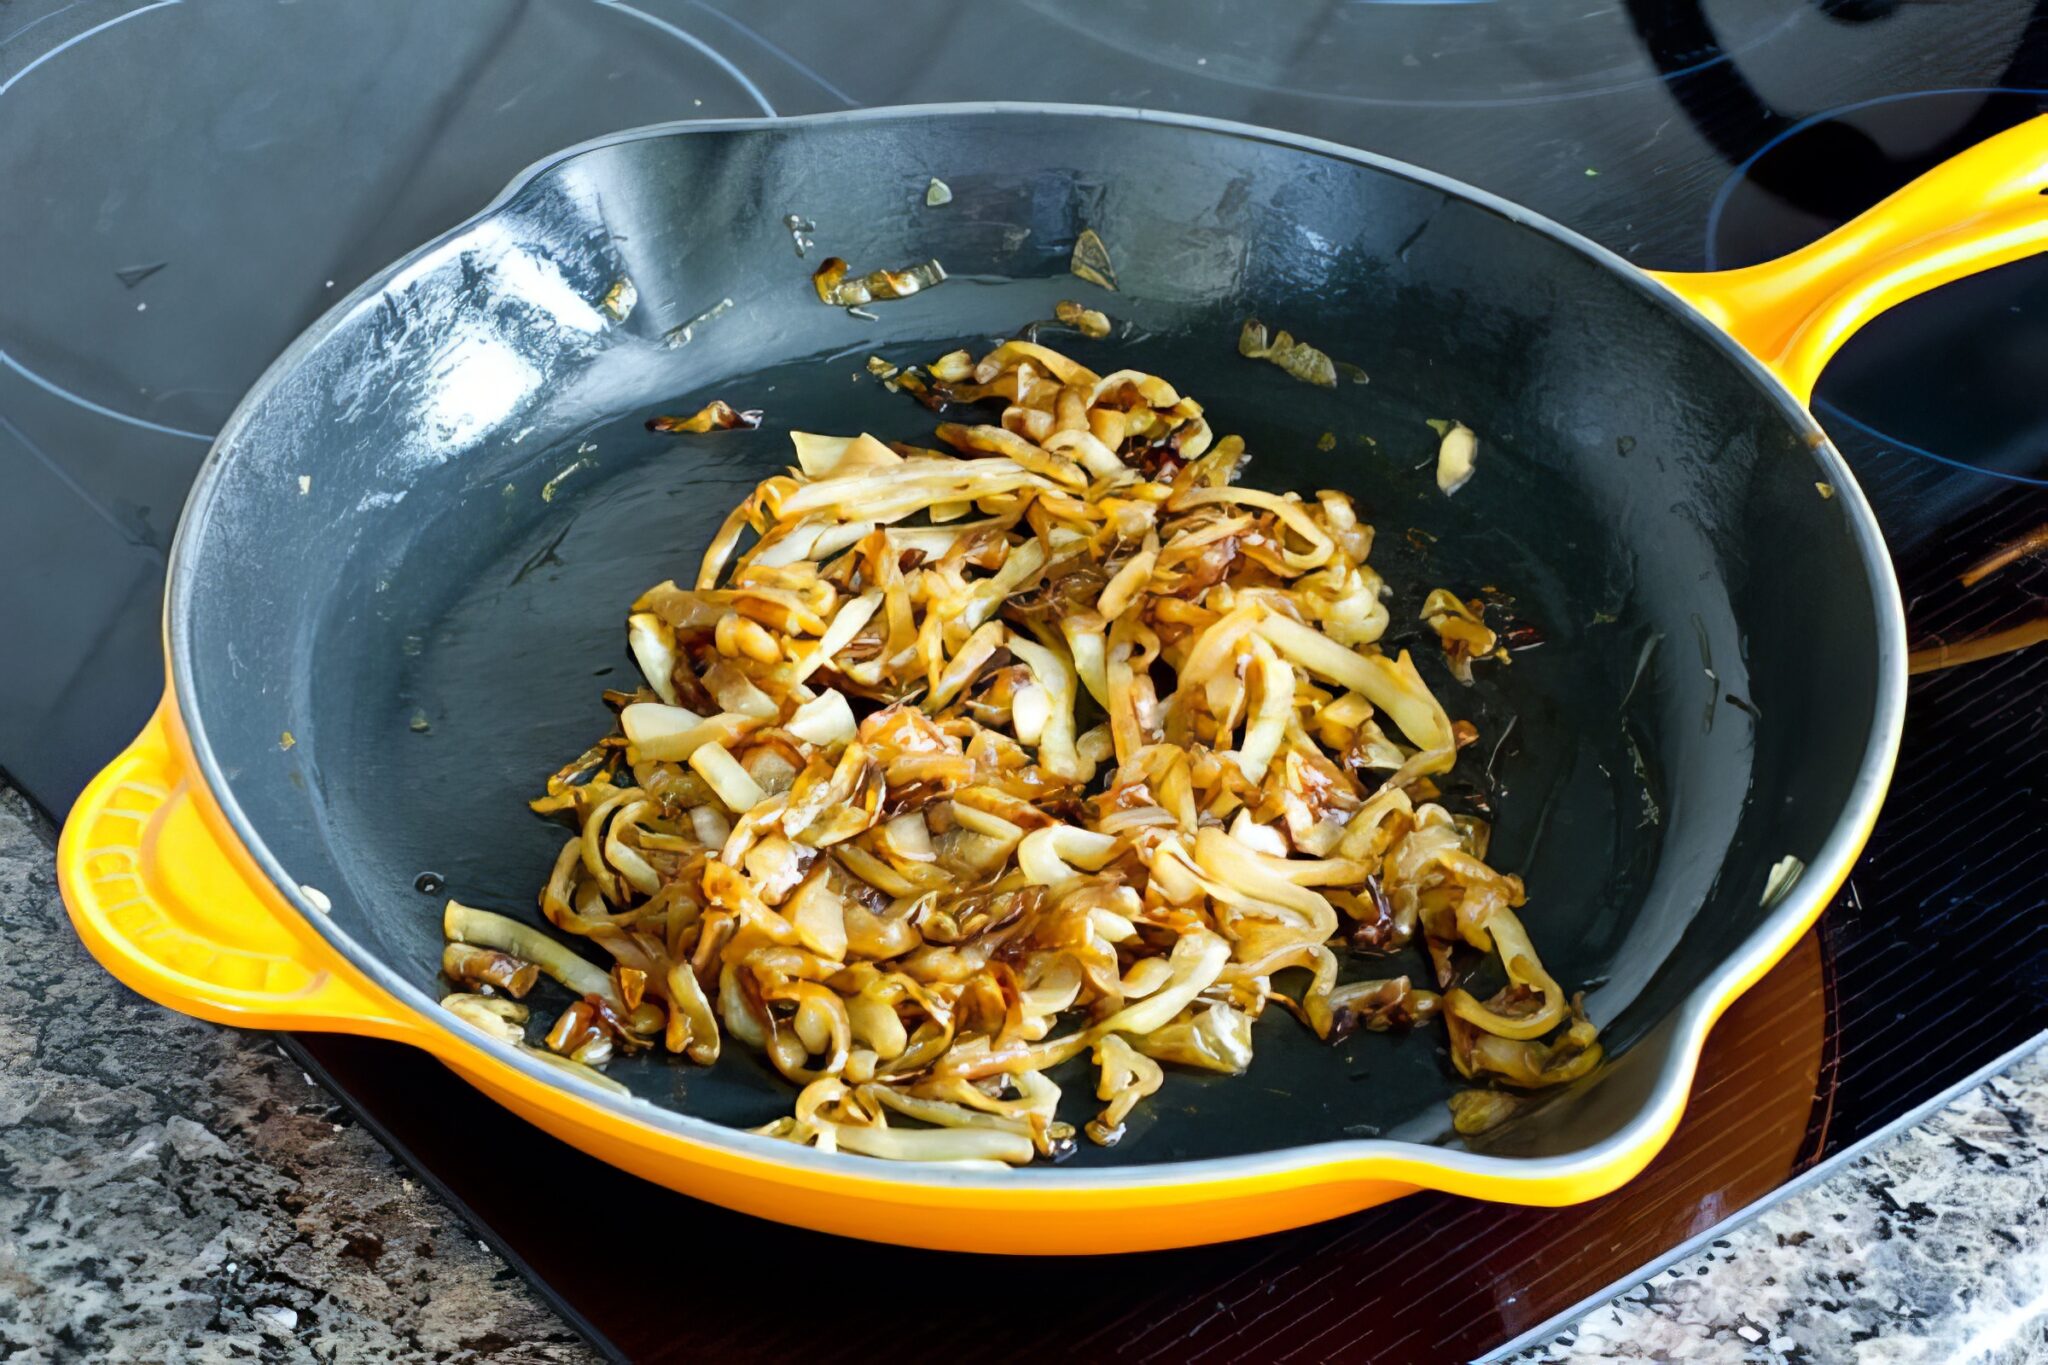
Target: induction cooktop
[[191, 182]]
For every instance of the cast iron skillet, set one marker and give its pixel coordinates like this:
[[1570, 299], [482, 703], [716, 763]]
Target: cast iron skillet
[[413, 548]]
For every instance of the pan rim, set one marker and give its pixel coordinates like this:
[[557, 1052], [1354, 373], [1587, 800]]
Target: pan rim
[[1641, 1136]]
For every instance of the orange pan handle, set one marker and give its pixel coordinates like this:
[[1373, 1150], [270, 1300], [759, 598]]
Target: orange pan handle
[[1980, 209], [174, 907]]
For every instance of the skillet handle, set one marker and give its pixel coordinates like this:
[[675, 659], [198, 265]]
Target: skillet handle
[[166, 907], [1980, 209]]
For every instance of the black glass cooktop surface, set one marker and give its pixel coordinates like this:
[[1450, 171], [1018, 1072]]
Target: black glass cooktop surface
[[189, 184]]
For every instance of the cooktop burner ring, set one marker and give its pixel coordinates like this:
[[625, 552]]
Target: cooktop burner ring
[[1861, 391], [1202, 52], [170, 343]]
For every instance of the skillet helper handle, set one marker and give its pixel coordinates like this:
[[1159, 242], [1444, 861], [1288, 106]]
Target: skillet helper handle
[[177, 917], [1983, 208]]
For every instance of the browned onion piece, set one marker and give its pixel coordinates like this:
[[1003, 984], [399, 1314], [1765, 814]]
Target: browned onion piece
[[834, 288], [717, 415], [1298, 358], [1087, 321], [1091, 260], [470, 965]]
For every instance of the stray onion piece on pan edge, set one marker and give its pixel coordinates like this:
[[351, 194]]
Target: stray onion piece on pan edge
[[717, 415], [1053, 743]]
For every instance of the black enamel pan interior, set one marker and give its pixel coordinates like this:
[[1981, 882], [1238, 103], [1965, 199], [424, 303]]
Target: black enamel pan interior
[[415, 547]]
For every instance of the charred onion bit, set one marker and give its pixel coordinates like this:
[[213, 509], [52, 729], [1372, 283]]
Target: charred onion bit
[[838, 291], [1088, 322], [466, 964], [1044, 739], [717, 415], [1461, 627], [1090, 260], [1298, 358]]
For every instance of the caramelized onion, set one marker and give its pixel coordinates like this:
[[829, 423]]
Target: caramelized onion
[[966, 764]]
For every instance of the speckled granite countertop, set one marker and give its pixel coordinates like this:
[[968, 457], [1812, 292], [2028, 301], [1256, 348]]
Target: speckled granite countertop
[[1931, 1248], [173, 1191]]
